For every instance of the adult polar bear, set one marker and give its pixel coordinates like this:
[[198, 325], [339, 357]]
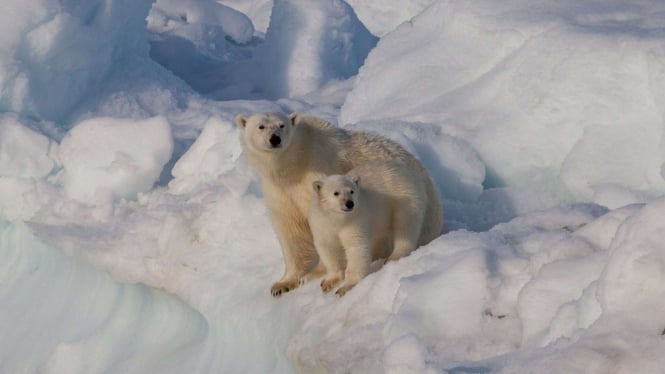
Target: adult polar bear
[[290, 153]]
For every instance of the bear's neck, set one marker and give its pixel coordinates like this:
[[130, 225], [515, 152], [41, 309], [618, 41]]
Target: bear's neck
[[290, 165]]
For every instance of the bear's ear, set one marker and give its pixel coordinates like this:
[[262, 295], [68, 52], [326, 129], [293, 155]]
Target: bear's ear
[[294, 118], [317, 186], [356, 180], [241, 120]]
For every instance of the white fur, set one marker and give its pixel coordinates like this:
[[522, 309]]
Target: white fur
[[310, 149], [388, 201]]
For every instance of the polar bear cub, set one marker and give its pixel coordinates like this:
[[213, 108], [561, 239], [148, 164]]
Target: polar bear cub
[[374, 211]]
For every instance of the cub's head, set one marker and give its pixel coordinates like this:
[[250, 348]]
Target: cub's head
[[267, 132], [337, 193]]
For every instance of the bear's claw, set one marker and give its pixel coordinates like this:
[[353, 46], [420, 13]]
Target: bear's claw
[[280, 288], [343, 290], [329, 283]]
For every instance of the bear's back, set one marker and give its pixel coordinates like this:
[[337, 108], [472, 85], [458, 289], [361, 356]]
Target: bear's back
[[389, 179]]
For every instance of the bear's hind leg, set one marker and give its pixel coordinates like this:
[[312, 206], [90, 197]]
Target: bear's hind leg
[[407, 224]]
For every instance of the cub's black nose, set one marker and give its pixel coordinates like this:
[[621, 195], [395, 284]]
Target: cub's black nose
[[275, 140], [349, 204]]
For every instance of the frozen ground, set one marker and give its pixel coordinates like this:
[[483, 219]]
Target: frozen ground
[[134, 237]]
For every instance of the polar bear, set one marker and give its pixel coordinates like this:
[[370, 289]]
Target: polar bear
[[290, 153], [375, 210]]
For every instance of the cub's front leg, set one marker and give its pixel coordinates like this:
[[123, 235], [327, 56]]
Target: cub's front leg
[[356, 245], [331, 255]]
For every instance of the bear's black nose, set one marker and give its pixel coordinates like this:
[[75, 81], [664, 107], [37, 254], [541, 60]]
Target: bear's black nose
[[349, 204], [275, 140]]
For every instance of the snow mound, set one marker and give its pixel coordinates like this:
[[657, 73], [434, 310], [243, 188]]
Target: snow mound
[[178, 16], [26, 159], [257, 10], [114, 158], [54, 53], [215, 152], [633, 283], [310, 43], [544, 92], [196, 40], [615, 325], [381, 17], [25, 153]]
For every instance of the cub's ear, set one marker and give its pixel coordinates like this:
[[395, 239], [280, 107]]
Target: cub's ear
[[356, 180], [317, 186], [294, 118], [241, 120]]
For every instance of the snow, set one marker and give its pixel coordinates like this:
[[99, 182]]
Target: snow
[[110, 158], [214, 153], [53, 47], [169, 15], [257, 10], [82, 314], [381, 17], [24, 152], [560, 84], [134, 236], [191, 38], [309, 43]]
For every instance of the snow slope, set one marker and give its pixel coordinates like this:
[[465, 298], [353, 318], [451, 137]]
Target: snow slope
[[133, 233], [543, 91]]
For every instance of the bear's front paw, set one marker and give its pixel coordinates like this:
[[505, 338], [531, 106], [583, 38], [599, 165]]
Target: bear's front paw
[[328, 283], [279, 288]]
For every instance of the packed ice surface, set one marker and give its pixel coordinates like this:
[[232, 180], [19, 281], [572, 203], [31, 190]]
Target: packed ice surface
[[134, 236], [60, 315]]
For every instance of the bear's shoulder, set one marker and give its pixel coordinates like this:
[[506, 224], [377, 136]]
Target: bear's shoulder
[[316, 122]]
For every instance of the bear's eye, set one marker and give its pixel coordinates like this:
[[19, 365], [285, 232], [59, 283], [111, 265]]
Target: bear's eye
[[261, 127], [336, 193], [281, 126], [351, 192]]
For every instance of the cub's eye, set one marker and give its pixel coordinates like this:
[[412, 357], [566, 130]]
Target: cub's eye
[[351, 192], [336, 193], [261, 127], [281, 126]]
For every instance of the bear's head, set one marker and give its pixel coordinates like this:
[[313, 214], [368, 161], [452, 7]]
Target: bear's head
[[267, 132], [337, 194]]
